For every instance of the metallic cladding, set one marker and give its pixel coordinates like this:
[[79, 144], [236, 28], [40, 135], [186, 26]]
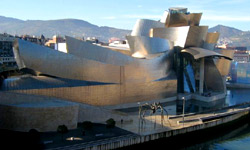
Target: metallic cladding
[[93, 52], [17, 56], [196, 36], [42, 82], [142, 27], [198, 53], [208, 46], [212, 38], [224, 65], [134, 79], [213, 79], [182, 19], [110, 94], [131, 69], [56, 63], [178, 35], [78, 67], [148, 45], [185, 36]]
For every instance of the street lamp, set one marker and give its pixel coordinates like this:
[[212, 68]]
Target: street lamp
[[183, 110], [139, 117]]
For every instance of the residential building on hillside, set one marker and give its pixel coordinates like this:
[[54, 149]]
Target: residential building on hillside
[[92, 40], [38, 40]]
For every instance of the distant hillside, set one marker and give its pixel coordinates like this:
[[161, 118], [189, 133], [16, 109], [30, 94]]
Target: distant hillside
[[70, 27], [225, 31], [234, 36], [81, 28]]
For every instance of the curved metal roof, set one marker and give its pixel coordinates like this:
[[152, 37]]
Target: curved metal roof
[[198, 53]]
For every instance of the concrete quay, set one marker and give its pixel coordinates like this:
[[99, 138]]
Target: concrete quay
[[153, 127]]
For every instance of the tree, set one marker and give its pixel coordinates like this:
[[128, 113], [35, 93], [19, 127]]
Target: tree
[[34, 140], [62, 129], [87, 125], [110, 123]]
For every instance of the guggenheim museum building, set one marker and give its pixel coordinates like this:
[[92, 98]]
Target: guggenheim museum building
[[166, 58]]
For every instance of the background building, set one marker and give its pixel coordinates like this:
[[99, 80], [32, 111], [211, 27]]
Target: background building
[[7, 61], [53, 43]]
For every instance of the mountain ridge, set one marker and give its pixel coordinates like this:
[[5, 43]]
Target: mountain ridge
[[70, 27], [81, 28], [225, 31], [232, 36]]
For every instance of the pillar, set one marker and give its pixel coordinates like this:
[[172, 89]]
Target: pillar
[[201, 84]]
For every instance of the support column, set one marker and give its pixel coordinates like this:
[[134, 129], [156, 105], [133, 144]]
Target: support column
[[179, 70], [224, 84], [201, 84]]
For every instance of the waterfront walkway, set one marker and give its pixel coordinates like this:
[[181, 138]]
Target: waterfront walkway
[[153, 127], [154, 124]]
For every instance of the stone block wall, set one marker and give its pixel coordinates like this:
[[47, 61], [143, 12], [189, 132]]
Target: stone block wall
[[22, 112]]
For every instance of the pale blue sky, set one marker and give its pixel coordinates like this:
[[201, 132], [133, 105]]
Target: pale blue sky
[[124, 13]]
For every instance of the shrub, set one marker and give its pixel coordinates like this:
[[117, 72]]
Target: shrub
[[62, 129], [34, 136], [87, 125], [110, 123]]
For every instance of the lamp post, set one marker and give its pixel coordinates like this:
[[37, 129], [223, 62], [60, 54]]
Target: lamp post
[[139, 117], [183, 110]]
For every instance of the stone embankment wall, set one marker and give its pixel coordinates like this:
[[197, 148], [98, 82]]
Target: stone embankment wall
[[22, 112]]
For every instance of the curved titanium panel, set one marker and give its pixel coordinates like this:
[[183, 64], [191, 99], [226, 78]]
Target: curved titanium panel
[[177, 35], [196, 36], [145, 70], [19, 60], [198, 53], [147, 45], [212, 38], [132, 69], [59, 64], [87, 50], [212, 76], [110, 94], [181, 19], [120, 50], [55, 63], [224, 65], [182, 36], [209, 46], [142, 27]]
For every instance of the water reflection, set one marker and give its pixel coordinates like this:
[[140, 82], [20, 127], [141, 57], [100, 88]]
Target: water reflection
[[195, 106], [238, 139], [234, 140], [237, 96], [234, 97]]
